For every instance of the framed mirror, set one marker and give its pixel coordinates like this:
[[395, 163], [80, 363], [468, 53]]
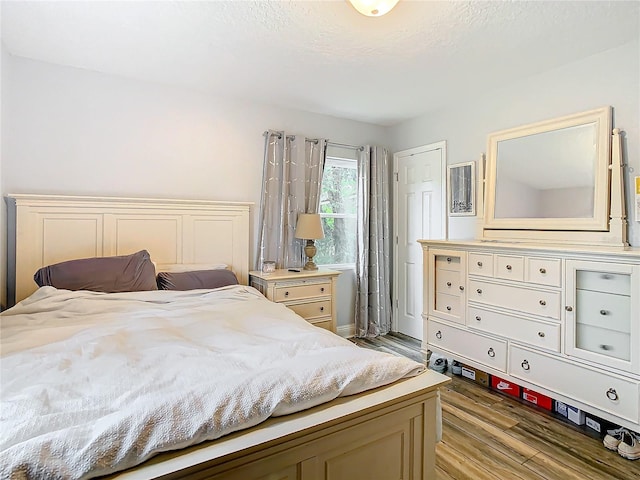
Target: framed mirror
[[550, 178]]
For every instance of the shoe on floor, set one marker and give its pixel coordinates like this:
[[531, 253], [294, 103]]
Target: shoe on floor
[[613, 438], [629, 447]]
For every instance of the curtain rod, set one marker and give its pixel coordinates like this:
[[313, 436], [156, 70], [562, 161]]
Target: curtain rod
[[289, 137]]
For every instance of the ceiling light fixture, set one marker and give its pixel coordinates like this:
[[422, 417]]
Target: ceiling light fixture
[[373, 8]]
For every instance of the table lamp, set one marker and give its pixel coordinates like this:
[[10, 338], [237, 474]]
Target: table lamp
[[309, 228]]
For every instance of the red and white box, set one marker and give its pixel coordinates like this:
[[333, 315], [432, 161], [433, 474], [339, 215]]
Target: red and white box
[[537, 398], [505, 386]]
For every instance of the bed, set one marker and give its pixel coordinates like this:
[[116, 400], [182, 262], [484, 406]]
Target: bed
[[388, 431]]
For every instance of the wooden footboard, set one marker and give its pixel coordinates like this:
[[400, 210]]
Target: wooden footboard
[[387, 433]]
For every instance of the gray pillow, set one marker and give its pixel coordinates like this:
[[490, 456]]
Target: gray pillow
[[196, 279], [127, 273]]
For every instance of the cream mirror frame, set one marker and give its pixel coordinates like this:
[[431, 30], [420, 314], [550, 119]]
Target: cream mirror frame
[[550, 182]]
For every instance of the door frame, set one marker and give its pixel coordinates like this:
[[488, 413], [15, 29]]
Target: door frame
[[442, 145]]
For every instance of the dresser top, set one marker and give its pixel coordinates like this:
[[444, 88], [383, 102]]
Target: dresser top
[[565, 250], [285, 274]]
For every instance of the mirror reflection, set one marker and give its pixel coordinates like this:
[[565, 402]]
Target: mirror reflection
[[547, 175]]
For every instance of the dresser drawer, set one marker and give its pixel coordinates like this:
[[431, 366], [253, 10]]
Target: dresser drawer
[[284, 293], [322, 323], [605, 391], [448, 262], [509, 267], [486, 350], [312, 310], [603, 310], [536, 333], [449, 304], [529, 300], [605, 342], [448, 281], [544, 271], [480, 264], [603, 282]]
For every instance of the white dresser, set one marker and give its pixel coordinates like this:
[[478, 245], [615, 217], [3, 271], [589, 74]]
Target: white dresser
[[564, 321]]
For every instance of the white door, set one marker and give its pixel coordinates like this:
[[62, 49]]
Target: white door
[[419, 213]]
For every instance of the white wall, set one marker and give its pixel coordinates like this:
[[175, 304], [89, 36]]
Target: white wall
[[609, 78], [72, 131]]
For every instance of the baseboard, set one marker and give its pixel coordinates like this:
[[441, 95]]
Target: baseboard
[[346, 331]]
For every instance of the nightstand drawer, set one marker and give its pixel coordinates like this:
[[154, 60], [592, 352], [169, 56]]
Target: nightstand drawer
[[312, 310], [322, 323], [295, 292]]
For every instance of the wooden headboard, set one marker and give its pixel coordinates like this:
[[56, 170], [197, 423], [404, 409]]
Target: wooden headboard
[[47, 229]]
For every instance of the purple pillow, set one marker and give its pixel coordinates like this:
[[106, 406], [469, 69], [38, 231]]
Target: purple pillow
[[196, 279], [127, 273]]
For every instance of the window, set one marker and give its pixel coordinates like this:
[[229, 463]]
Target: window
[[338, 199]]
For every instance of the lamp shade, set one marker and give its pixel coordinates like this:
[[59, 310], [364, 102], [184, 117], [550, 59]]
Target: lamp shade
[[373, 8], [309, 226]]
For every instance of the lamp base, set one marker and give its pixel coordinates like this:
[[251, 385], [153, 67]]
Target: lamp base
[[310, 251]]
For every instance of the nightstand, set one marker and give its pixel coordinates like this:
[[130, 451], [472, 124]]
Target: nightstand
[[311, 294]]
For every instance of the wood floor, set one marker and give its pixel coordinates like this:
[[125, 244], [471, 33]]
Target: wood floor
[[487, 435]]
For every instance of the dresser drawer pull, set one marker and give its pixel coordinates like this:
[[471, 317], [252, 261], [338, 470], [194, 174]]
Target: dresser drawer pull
[[569, 308], [541, 334], [543, 271], [461, 288], [509, 267], [606, 276], [448, 259], [438, 334], [322, 309], [479, 291], [604, 312], [448, 308], [448, 284], [322, 289], [491, 353], [286, 294], [543, 303], [480, 264], [525, 365], [605, 347], [478, 318], [612, 394]]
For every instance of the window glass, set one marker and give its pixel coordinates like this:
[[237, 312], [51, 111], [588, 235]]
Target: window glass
[[338, 212]]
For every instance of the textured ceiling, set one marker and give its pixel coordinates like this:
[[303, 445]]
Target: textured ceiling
[[321, 56]]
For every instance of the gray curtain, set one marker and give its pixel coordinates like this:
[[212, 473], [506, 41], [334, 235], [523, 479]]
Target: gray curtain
[[292, 175], [373, 248]]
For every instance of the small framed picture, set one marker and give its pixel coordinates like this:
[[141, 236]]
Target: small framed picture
[[461, 187]]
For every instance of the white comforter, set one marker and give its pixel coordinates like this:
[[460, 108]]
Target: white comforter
[[95, 383]]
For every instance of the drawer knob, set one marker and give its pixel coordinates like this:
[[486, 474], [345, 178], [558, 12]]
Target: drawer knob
[[479, 291], [543, 303], [448, 284], [605, 347], [569, 308], [322, 289], [322, 309], [604, 312], [448, 259], [612, 394], [541, 334], [438, 334], [606, 276], [461, 288], [543, 271], [525, 365], [478, 318], [491, 353], [509, 267], [286, 294], [449, 308], [480, 264]]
